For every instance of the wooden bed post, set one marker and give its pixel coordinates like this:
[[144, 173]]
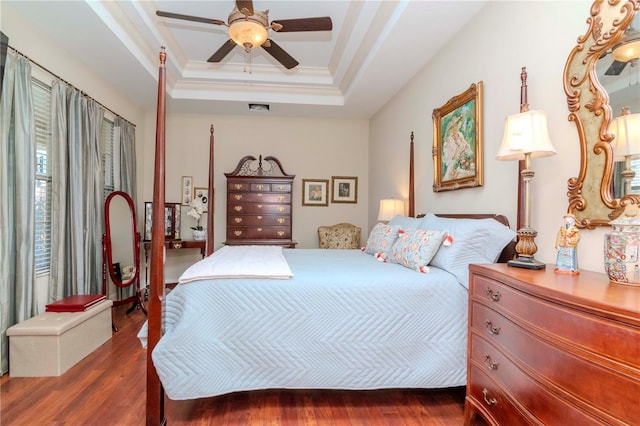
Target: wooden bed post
[[212, 201], [155, 393], [412, 201]]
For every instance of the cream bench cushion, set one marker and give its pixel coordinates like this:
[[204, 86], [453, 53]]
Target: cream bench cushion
[[52, 342]]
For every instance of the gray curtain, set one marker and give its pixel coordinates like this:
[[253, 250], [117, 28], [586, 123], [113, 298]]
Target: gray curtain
[[76, 224], [18, 300], [127, 144], [125, 141]]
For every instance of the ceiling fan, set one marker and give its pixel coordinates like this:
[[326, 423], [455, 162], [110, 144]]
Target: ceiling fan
[[626, 52], [249, 28]]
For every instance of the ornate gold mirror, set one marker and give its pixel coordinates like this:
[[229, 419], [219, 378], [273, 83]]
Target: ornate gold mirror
[[591, 194]]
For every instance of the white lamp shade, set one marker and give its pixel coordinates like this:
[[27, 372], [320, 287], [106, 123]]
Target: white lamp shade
[[524, 133], [627, 51], [626, 129], [390, 208], [247, 32]]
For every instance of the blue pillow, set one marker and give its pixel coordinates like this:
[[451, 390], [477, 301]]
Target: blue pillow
[[473, 241], [405, 222], [380, 241]]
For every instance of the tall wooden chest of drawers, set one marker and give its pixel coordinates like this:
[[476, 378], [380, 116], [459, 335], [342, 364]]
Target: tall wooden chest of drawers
[[552, 349], [259, 203]]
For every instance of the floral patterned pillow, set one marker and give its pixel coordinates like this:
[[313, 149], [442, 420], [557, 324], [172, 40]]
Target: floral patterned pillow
[[415, 248], [380, 241]]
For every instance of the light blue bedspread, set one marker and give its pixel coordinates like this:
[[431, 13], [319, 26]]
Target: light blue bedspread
[[344, 321]]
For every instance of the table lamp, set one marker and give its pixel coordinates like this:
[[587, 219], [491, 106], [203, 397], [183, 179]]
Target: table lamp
[[389, 208], [526, 137]]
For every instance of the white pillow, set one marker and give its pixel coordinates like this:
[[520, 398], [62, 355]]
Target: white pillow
[[473, 241], [405, 222], [415, 248], [380, 241]]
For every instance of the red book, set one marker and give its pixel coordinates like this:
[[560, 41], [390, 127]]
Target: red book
[[75, 303]]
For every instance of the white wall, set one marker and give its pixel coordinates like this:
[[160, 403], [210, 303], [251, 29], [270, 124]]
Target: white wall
[[501, 39], [306, 148]]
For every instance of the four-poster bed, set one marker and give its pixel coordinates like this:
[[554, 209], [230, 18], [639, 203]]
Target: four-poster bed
[[325, 297]]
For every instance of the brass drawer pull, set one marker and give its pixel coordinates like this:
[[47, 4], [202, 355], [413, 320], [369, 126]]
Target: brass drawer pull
[[489, 401], [281, 220], [280, 209], [237, 233], [280, 197], [260, 187], [259, 229], [259, 217], [491, 365], [238, 197], [238, 186], [259, 206], [238, 208], [280, 233], [281, 187], [491, 295], [492, 329], [259, 195], [237, 220]]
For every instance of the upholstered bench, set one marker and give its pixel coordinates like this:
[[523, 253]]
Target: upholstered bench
[[52, 342]]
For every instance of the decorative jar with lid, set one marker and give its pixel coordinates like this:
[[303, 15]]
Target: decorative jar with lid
[[621, 250]]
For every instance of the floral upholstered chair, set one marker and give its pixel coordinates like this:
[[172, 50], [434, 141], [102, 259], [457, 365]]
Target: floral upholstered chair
[[340, 236]]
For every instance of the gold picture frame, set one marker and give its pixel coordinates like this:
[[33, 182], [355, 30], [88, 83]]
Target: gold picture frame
[[457, 141], [344, 189], [315, 192]]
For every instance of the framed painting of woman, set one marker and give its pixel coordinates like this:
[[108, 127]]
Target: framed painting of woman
[[457, 141]]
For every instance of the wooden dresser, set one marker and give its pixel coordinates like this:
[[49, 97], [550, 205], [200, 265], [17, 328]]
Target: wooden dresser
[[552, 349], [259, 203]]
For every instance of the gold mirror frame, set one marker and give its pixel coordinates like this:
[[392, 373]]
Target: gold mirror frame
[[590, 194]]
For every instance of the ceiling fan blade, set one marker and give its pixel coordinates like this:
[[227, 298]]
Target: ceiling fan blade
[[222, 51], [615, 68], [190, 18], [247, 4], [305, 24], [280, 55]]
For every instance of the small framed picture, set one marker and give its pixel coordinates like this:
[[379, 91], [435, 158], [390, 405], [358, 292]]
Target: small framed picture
[[187, 190], [203, 195], [344, 189], [315, 192]]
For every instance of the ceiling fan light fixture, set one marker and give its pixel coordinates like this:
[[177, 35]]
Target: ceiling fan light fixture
[[628, 50], [248, 31]]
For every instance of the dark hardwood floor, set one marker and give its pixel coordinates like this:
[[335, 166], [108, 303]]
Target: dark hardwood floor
[[108, 388]]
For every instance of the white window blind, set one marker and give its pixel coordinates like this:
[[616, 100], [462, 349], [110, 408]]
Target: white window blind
[[41, 100], [107, 157]]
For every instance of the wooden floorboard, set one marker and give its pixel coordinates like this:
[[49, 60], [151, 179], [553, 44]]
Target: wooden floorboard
[[108, 388]]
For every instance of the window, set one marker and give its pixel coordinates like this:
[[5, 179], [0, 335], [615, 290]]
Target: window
[[107, 157], [41, 101], [41, 108]]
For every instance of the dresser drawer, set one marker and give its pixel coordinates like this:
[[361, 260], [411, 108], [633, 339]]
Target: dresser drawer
[[238, 186], [494, 364], [593, 333], [260, 187], [257, 209], [259, 220], [487, 395], [609, 391], [259, 197], [281, 187], [257, 232]]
